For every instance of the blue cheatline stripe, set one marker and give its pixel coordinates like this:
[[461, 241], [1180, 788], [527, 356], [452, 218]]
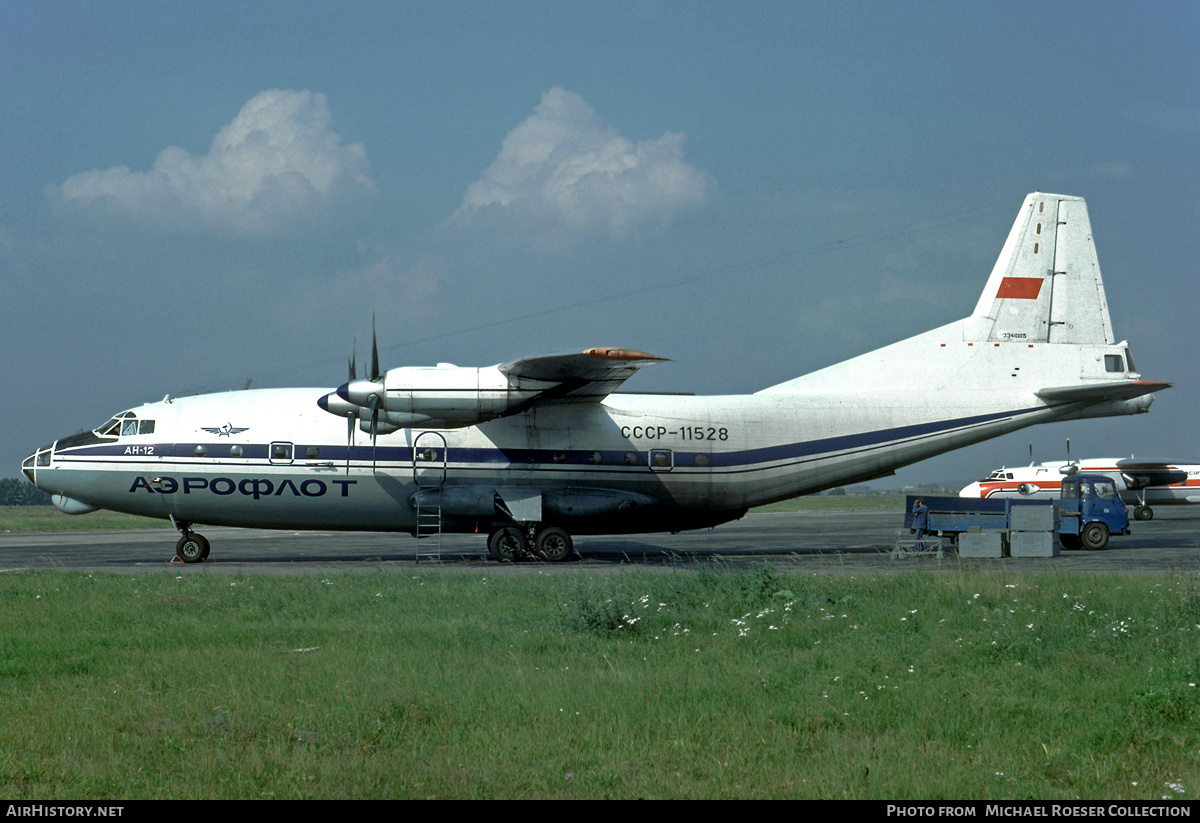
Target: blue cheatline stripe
[[743, 459]]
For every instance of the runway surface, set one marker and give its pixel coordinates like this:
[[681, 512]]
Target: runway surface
[[843, 542]]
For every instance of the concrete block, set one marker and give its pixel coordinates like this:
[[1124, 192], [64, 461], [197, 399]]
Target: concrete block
[[1034, 518], [1033, 544], [980, 544]]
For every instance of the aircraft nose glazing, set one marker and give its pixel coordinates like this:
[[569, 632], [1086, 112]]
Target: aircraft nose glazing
[[39, 459]]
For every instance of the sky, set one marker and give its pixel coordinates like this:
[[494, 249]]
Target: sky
[[194, 195]]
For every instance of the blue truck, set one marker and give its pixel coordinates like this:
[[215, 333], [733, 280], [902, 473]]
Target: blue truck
[[1090, 511]]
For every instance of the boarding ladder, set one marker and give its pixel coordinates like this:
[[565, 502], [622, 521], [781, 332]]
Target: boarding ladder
[[429, 522], [429, 473]]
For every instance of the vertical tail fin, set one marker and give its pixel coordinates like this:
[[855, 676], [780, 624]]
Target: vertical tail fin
[[1046, 284]]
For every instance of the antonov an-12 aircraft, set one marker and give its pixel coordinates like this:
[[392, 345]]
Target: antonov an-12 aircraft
[[535, 450]]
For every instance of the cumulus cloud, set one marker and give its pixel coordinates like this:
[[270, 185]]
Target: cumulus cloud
[[565, 172], [275, 168]]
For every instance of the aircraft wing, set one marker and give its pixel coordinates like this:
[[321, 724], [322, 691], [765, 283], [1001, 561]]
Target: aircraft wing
[[1122, 390], [1139, 473], [588, 376]]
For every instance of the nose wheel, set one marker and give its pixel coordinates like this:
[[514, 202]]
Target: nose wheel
[[192, 547]]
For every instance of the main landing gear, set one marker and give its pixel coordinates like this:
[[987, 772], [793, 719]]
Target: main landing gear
[[512, 543], [192, 547]]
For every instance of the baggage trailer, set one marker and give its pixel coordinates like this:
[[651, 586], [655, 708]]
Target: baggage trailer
[[1087, 514]]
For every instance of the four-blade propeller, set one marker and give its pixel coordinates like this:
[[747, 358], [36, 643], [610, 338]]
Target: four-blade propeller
[[356, 396]]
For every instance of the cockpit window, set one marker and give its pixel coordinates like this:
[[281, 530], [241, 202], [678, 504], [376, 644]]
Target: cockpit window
[[125, 424], [117, 425], [110, 429]]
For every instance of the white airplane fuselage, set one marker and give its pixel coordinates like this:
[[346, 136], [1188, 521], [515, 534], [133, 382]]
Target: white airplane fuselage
[[1140, 483], [1037, 348]]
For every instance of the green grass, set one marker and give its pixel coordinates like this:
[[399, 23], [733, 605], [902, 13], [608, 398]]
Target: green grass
[[48, 518], [700, 683]]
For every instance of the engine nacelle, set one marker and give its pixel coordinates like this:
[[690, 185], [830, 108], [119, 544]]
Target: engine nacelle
[[442, 396], [450, 396]]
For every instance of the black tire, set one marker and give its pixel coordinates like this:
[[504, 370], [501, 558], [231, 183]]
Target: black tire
[[507, 544], [1143, 513], [192, 548], [1095, 536], [554, 544]]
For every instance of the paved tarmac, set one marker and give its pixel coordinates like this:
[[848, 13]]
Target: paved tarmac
[[842, 542]]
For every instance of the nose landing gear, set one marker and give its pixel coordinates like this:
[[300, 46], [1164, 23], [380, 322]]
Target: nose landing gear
[[192, 547]]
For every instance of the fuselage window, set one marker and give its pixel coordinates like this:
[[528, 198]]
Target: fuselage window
[[1114, 363], [146, 427]]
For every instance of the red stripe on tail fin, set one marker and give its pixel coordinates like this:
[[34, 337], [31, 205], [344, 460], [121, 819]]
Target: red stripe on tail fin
[[1020, 288]]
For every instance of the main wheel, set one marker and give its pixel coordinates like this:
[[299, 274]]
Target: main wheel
[[192, 548], [507, 544], [1095, 536], [1143, 513], [554, 544]]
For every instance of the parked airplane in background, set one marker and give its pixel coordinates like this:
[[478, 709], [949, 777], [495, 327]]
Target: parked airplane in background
[[1141, 483], [533, 450]]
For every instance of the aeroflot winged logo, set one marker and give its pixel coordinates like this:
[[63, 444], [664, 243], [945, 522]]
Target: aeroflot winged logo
[[224, 431]]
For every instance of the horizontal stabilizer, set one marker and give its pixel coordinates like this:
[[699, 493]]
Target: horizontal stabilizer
[[1125, 390]]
